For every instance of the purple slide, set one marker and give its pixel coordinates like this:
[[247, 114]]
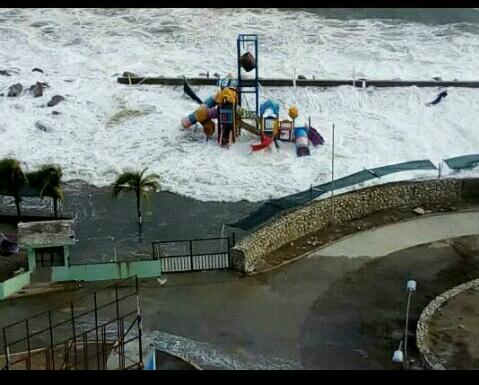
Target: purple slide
[[315, 137]]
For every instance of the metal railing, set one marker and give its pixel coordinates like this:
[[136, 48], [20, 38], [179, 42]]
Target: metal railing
[[79, 340], [193, 254]]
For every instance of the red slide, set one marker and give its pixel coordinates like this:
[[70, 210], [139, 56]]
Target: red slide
[[265, 142]]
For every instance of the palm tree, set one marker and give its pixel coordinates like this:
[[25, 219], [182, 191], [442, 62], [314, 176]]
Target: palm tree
[[48, 180], [140, 184], [12, 179]]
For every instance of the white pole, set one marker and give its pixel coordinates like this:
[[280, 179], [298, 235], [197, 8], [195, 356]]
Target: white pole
[[405, 363], [332, 180]]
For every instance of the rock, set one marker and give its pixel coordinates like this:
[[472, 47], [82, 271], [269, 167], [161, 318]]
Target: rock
[[5, 73], [291, 244], [128, 74], [216, 75], [55, 100], [461, 326], [437, 78], [37, 90], [56, 113], [301, 77], [419, 211], [15, 90], [42, 127], [309, 242], [36, 69]]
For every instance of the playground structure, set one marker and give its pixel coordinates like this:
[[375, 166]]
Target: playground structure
[[230, 108]]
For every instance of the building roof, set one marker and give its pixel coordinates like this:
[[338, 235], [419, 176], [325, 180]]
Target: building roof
[[46, 233]]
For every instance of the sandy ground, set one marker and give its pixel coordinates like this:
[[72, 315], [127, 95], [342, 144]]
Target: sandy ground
[[454, 331]]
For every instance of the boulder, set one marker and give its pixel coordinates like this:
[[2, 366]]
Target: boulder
[[37, 89], [42, 127], [5, 73], [15, 90], [419, 211], [301, 77], [55, 100], [36, 69]]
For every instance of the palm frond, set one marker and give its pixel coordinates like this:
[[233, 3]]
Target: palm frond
[[125, 182]]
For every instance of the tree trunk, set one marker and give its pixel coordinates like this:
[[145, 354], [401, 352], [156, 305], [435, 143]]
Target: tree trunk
[[55, 207], [138, 209], [17, 204]]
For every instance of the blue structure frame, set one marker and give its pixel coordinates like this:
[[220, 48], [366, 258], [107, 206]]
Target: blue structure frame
[[242, 89]]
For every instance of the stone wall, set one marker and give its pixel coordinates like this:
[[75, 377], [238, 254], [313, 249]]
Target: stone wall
[[248, 253]]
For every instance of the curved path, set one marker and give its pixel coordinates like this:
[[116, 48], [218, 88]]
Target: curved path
[[324, 311], [399, 236]]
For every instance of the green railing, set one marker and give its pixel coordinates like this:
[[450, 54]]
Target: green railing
[[274, 207]]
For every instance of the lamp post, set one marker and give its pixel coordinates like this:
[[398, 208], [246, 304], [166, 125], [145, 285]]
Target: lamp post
[[400, 355], [410, 287]]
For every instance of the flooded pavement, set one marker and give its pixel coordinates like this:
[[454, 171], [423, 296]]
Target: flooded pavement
[[102, 223], [321, 312]]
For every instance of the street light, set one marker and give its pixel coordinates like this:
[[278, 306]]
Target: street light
[[411, 287], [399, 356]]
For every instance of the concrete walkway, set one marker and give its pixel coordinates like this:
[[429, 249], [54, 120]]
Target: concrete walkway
[[326, 312], [399, 236]]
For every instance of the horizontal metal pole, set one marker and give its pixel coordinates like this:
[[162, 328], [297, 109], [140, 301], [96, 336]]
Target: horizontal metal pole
[[304, 82], [187, 240]]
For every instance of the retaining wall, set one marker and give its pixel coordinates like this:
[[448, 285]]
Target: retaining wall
[[248, 254]]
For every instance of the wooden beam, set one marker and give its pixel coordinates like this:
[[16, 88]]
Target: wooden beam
[[304, 82]]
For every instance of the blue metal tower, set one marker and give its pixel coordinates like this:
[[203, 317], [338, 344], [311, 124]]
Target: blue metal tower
[[242, 42]]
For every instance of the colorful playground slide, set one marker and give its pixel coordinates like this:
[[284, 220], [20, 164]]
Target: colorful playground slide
[[265, 142], [315, 137], [302, 143]]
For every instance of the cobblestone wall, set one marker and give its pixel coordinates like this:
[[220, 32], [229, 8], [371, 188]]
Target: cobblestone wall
[[352, 205]]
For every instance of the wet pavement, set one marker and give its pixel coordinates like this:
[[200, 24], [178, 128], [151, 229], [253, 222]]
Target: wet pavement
[[102, 222], [324, 312]]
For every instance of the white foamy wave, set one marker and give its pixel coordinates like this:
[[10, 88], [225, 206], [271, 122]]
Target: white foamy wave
[[81, 51], [209, 356]]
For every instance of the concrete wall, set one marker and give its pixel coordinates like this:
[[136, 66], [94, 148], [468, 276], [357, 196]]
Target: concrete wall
[[107, 271], [13, 285], [248, 254]]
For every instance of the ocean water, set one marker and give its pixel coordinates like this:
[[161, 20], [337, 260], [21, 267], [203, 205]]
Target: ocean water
[[82, 51]]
